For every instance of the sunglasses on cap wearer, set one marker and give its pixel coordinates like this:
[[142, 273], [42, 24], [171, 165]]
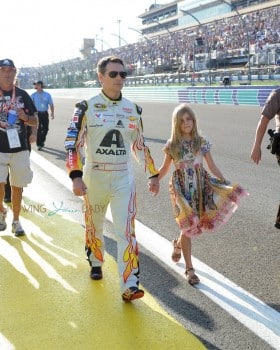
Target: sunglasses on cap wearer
[[114, 73]]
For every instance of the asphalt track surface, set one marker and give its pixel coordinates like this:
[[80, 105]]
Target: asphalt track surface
[[49, 302]]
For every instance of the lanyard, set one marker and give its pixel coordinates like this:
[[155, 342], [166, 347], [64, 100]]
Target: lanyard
[[12, 105]]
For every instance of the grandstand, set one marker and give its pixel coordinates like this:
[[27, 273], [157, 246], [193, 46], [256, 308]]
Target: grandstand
[[185, 42]]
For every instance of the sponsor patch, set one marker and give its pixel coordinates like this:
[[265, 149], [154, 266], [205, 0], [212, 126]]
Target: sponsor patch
[[132, 118], [131, 126], [119, 124], [100, 106], [127, 110], [108, 118], [75, 119]]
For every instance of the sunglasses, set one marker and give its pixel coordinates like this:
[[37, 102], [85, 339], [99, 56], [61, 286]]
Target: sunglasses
[[114, 73]]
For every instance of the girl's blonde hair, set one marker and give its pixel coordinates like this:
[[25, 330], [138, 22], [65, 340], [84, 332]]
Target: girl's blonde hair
[[176, 134]]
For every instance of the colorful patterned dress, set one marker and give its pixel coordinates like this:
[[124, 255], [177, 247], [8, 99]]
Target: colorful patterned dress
[[200, 201]]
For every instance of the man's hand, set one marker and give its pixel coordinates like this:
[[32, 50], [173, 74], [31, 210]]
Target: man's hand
[[154, 185], [22, 115], [256, 154], [32, 138], [79, 187]]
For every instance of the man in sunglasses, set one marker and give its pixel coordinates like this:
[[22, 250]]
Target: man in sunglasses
[[17, 112], [111, 127]]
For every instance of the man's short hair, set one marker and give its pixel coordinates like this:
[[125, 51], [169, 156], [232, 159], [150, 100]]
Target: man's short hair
[[103, 62]]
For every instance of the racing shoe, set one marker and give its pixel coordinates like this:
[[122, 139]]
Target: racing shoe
[[17, 229], [132, 293], [96, 273], [7, 200], [3, 224]]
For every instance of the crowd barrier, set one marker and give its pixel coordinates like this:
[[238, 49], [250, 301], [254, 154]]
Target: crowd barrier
[[229, 95], [237, 95]]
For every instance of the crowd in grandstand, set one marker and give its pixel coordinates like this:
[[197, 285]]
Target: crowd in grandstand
[[223, 35], [228, 36]]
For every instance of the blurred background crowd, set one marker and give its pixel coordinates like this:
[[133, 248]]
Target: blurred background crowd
[[246, 46]]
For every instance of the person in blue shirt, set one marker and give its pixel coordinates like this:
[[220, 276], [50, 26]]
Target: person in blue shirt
[[43, 102]]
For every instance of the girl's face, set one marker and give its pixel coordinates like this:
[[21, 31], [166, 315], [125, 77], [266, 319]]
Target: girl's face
[[186, 124]]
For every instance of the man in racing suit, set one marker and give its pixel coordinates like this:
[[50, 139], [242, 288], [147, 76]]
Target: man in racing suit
[[111, 128], [271, 110]]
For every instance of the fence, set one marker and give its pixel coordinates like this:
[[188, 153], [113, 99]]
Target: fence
[[240, 95]]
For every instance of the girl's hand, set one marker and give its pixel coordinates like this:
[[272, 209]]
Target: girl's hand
[[154, 185]]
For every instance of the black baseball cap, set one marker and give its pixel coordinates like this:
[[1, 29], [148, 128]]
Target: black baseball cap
[[6, 62], [39, 82]]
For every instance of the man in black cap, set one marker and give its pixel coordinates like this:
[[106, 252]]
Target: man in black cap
[[17, 111], [43, 101]]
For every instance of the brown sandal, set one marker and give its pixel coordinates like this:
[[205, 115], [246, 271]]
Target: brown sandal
[[192, 279], [176, 254]]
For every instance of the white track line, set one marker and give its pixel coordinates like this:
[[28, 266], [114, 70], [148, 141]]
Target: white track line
[[261, 319]]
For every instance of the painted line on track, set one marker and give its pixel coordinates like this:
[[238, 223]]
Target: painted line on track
[[254, 314]]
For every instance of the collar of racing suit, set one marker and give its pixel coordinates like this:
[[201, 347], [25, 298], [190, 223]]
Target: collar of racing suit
[[111, 99]]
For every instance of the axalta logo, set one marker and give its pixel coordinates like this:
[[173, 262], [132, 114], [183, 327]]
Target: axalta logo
[[119, 124], [108, 152], [100, 106], [112, 144]]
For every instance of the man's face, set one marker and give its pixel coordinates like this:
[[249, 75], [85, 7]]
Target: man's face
[[7, 77], [38, 87], [112, 86]]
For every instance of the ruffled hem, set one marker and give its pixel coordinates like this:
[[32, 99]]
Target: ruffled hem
[[212, 224]]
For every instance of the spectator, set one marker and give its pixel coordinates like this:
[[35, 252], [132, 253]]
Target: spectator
[[16, 111]]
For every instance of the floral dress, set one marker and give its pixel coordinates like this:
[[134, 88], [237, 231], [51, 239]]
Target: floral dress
[[200, 201]]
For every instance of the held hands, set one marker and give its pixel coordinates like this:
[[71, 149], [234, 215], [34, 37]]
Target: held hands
[[154, 185], [79, 187]]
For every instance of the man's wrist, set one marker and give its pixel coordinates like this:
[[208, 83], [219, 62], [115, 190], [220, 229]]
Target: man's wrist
[[75, 174], [153, 176]]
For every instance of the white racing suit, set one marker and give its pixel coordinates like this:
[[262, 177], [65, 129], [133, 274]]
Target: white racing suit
[[112, 132]]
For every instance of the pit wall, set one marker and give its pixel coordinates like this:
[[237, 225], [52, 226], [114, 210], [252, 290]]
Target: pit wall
[[239, 95]]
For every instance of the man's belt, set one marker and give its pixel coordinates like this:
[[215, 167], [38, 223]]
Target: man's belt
[[109, 166]]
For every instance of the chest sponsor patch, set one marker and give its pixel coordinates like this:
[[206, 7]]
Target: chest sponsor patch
[[100, 106], [119, 124]]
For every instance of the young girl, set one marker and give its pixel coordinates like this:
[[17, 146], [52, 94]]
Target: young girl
[[201, 202]]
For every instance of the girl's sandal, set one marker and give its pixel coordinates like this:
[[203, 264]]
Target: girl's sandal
[[176, 254], [192, 278]]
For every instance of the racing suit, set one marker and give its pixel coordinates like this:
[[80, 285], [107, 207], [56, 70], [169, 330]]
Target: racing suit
[[112, 132]]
